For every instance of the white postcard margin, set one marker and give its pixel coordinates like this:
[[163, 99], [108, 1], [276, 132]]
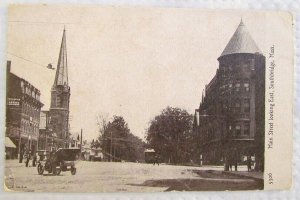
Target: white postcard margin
[[278, 102]]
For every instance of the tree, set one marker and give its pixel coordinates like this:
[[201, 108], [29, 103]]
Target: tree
[[118, 142], [102, 123], [169, 134]]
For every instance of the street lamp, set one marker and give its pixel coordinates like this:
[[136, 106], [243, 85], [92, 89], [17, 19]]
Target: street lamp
[[29, 134], [29, 140]]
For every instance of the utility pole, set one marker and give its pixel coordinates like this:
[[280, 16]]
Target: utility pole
[[20, 145], [110, 146], [80, 142]]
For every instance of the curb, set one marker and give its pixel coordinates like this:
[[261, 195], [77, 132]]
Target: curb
[[242, 176]]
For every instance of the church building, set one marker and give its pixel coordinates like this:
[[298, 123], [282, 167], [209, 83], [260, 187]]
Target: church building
[[55, 133]]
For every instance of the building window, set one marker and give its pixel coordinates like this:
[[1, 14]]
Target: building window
[[247, 128], [237, 130], [246, 105], [58, 102], [237, 105], [237, 86], [246, 86]]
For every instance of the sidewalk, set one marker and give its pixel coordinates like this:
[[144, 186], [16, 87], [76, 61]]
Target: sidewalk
[[246, 174], [241, 173]]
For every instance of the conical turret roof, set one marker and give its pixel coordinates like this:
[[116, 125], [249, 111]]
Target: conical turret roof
[[241, 42]]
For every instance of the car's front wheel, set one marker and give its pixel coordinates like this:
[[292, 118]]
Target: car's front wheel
[[40, 169], [73, 170]]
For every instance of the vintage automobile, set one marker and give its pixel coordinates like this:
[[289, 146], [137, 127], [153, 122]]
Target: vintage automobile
[[96, 154], [55, 162]]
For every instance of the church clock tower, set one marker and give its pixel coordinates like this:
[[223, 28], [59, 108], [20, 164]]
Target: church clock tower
[[60, 99]]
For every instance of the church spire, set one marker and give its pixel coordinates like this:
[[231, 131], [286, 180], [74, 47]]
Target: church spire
[[61, 77]]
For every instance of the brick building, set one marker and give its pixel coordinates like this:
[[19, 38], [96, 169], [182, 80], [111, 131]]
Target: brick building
[[23, 108], [229, 122]]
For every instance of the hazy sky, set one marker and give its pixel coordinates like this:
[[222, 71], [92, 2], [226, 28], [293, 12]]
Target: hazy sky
[[124, 61]]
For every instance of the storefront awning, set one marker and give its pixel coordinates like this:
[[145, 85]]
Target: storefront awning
[[9, 143]]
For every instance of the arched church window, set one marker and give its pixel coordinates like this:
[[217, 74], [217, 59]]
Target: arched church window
[[58, 101]]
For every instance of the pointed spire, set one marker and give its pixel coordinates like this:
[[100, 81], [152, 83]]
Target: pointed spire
[[241, 42], [61, 77]]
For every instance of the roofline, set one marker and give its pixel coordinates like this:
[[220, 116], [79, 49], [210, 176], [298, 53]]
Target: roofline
[[257, 53]]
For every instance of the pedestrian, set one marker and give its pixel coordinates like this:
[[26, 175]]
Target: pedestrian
[[21, 155], [235, 165], [230, 165], [156, 160], [235, 159], [34, 159], [249, 163], [230, 162], [28, 154]]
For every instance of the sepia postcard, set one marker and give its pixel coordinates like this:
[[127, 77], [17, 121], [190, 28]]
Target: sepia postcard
[[137, 99]]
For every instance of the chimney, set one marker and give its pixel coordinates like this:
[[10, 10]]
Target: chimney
[[8, 65]]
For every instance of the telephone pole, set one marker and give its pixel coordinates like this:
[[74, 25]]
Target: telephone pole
[[80, 142]]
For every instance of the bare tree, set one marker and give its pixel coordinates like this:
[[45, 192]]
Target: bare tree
[[102, 122]]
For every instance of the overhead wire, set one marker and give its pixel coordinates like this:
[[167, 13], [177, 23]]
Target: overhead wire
[[20, 57]]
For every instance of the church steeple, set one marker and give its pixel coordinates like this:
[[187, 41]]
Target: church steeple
[[61, 77], [60, 98]]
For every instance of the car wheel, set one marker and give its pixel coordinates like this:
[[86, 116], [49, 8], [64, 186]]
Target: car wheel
[[40, 169], [73, 170]]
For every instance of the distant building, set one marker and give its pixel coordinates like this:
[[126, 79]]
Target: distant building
[[46, 139], [229, 122], [58, 126], [23, 108]]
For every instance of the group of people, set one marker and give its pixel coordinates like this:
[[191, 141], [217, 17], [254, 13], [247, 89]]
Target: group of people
[[27, 155], [232, 161]]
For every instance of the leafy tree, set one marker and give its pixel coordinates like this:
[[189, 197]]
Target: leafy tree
[[118, 142], [169, 134]]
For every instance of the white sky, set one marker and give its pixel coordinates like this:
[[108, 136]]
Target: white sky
[[124, 61]]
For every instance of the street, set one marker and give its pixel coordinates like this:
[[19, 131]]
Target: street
[[126, 177]]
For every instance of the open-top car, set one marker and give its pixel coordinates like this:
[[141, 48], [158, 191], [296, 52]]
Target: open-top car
[[61, 160]]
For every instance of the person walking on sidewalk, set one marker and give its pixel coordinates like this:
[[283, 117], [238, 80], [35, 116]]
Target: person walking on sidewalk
[[27, 156], [156, 160], [249, 163], [21, 154], [34, 158]]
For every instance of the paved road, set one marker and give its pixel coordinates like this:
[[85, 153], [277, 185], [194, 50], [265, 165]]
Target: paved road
[[124, 177]]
